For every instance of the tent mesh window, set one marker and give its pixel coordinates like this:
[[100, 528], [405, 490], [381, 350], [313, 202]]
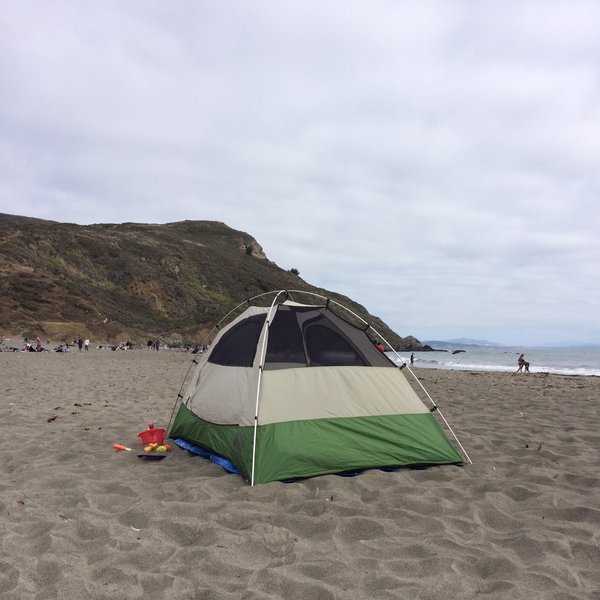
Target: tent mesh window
[[238, 346], [328, 347], [285, 340]]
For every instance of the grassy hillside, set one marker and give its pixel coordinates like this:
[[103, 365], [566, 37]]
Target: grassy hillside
[[133, 281]]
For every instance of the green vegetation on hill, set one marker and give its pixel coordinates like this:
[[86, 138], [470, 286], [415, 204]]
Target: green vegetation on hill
[[133, 281]]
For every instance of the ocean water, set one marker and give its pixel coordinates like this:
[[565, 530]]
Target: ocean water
[[561, 361]]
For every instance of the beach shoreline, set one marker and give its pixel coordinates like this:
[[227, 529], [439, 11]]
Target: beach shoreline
[[80, 520]]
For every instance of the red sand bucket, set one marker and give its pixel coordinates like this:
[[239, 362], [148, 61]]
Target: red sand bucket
[[152, 436]]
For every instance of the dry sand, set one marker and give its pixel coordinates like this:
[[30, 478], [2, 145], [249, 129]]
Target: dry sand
[[80, 521]]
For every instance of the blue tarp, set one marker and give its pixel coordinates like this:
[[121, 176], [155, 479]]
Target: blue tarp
[[212, 456]]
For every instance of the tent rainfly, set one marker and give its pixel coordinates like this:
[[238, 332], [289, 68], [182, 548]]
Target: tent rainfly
[[293, 390]]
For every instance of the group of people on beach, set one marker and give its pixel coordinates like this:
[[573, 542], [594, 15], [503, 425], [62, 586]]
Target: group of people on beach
[[82, 344], [33, 345], [37, 346]]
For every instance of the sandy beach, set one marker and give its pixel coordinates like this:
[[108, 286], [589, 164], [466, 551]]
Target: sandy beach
[[79, 520]]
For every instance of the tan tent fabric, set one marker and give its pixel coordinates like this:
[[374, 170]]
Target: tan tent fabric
[[329, 392], [226, 396]]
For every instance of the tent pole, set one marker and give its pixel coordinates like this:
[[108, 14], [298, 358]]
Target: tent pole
[[435, 407], [454, 436], [263, 353]]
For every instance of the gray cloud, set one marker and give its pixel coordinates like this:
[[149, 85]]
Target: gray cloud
[[435, 161]]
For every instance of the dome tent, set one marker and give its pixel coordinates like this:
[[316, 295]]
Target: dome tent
[[294, 390]]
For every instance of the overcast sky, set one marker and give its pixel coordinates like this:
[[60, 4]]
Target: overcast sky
[[438, 162]]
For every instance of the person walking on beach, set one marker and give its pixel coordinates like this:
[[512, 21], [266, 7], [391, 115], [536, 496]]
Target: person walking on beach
[[412, 359], [80, 343], [523, 364], [86, 344]]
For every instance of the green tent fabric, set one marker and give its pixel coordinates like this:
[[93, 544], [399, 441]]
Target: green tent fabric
[[293, 390]]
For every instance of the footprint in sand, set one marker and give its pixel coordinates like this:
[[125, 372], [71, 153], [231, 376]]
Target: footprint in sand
[[277, 540]]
